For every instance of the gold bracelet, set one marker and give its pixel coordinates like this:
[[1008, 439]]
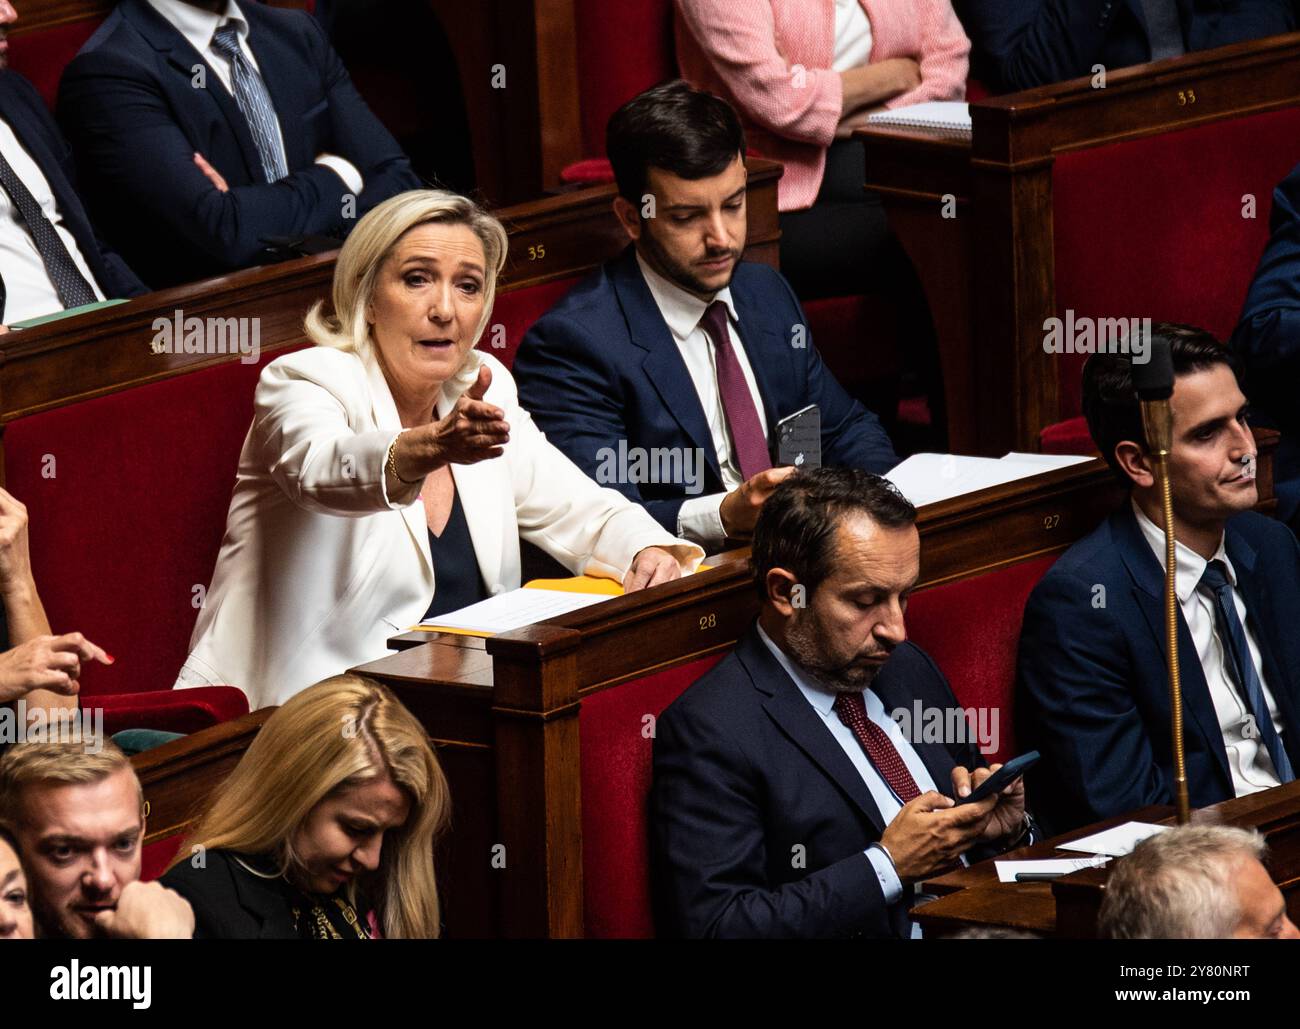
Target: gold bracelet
[[391, 463]]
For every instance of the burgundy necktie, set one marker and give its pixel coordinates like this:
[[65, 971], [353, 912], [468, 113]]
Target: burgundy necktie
[[884, 755], [747, 441]]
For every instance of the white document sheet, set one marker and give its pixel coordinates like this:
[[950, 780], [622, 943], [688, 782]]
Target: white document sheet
[[930, 478], [1115, 842], [514, 610], [1007, 870]]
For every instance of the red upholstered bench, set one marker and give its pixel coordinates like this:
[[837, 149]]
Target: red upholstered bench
[[127, 496], [616, 772], [1124, 249], [971, 628], [41, 56]]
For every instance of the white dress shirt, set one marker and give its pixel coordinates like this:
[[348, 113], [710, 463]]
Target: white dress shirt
[[699, 519], [1248, 758], [852, 35], [822, 700], [199, 26], [29, 291]]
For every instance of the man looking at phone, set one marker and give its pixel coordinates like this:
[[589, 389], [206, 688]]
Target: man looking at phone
[[786, 800], [678, 346]]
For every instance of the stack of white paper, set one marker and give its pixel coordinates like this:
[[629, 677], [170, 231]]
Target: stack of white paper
[[514, 610], [1115, 842], [946, 117], [930, 478]]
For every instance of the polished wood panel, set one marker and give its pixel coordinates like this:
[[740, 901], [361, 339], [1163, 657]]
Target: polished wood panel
[[178, 777], [976, 216]]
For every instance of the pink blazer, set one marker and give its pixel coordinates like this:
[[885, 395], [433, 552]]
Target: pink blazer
[[746, 51]]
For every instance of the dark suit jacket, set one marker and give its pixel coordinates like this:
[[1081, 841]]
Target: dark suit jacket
[[1018, 44], [21, 106], [1267, 339], [602, 366], [230, 903], [1093, 692], [744, 772], [135, 119]]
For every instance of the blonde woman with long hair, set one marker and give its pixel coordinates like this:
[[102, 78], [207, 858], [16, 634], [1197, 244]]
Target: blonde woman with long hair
[[326, 827], [390, 473]]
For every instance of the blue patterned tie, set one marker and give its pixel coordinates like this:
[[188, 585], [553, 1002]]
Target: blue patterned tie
[[1233, 636], [253, 100], [70, 285]]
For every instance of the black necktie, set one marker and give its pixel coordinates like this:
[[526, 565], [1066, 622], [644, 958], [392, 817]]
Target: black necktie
[[1164, 29], [1233, 636], [69, 283]]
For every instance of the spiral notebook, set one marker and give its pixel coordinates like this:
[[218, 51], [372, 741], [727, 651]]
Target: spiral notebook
[[944, 117]]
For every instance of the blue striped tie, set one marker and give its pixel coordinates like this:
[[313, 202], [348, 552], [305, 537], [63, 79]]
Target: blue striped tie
[[1233, 636], [253, 100]]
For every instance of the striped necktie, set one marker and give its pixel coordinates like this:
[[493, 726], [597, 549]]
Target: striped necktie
[[253, 100], [70, 285]]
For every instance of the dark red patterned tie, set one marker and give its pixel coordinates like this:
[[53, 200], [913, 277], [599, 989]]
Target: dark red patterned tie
[[747, 440], [884, 755]]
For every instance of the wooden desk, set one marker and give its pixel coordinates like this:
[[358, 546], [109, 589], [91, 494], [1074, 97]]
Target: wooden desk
[[178, 777], [977, 216], [973, 897]]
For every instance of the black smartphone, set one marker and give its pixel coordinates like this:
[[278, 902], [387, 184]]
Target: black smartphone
[[799, 438], [1002, 778]]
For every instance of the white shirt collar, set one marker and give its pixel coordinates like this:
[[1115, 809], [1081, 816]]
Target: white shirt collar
[[681, 310], [822, 698], [1190, 564], [198, 26]]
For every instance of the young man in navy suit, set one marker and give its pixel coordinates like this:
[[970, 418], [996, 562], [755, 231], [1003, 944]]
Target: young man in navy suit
[[788, 801], [204, 127], [50, 257], [664, 373], [1093, 692]]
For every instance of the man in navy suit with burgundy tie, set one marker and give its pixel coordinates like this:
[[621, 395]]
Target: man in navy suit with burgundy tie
[[678, 353], [203, 128], [788, 799], [50, 257]]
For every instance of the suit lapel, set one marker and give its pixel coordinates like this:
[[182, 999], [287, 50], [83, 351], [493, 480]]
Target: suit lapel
[[1149, 591], [1262, 620], [795, 717], [183, 58], [663, 362], [384, 413]]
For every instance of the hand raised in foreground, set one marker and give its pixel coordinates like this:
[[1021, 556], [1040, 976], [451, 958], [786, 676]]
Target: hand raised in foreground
[[472, 431], [47, 663]]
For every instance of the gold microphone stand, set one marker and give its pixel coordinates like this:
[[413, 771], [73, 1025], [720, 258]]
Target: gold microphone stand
[[1157, 423]]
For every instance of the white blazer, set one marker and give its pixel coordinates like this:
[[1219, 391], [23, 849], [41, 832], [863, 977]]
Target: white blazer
[[319, 565]]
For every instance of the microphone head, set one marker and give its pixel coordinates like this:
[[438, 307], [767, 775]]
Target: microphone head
[[1154, 378]]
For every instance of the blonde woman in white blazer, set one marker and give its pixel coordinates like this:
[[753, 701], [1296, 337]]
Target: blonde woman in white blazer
[[367, 451]]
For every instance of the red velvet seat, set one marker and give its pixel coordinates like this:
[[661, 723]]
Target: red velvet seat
[[127, 496], [41, 56], [971, 628], [616, 770], [1126, 248], [158, 855]]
